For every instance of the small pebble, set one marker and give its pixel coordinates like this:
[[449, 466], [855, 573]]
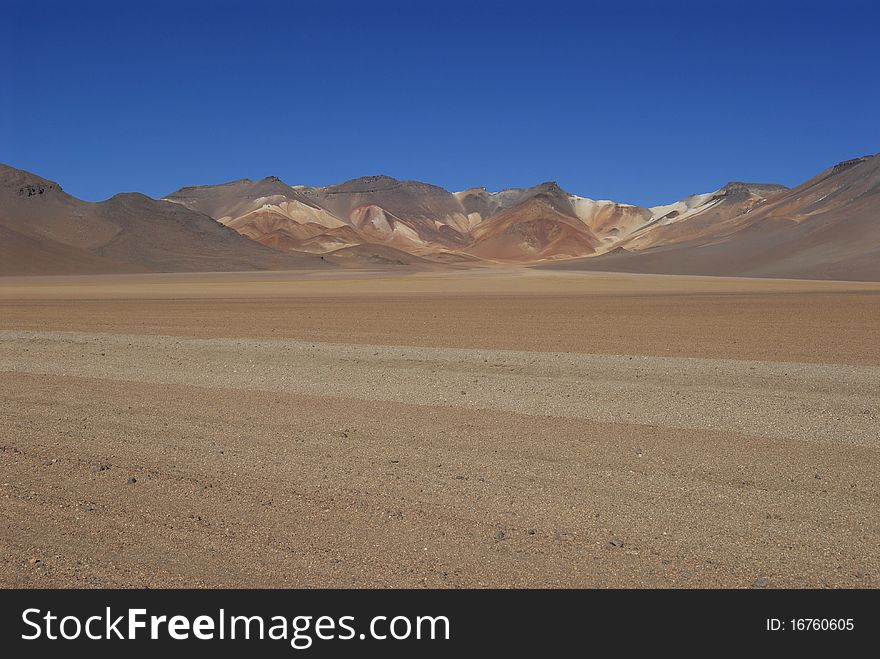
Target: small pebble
[[761, 582]]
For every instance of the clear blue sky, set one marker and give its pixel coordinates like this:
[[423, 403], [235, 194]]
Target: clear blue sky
[[644, 102]]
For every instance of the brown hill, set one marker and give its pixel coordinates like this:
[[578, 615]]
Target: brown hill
[[826, 228], [532, 230], [699, 216], [47, 231], [409, 216]]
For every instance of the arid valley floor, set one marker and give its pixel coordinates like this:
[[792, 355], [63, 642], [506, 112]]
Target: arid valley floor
[[491, 427]]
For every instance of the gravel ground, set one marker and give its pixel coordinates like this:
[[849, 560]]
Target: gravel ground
[[207, 443]]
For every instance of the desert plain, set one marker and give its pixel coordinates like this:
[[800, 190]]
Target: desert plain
[[489, 427]]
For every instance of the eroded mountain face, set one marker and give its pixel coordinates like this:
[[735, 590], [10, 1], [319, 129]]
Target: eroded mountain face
[[825, 228], [828, 227], [515, 225]]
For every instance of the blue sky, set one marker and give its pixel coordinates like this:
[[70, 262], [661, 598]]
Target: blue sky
[[642, 102]]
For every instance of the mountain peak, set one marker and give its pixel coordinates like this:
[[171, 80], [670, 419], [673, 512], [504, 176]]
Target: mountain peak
[[25, 183], [131, 197], [760, 189], [373, 178], [846, 164], [366, 184]]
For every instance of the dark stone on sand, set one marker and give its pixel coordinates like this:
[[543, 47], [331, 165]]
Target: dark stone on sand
[[761, 582]]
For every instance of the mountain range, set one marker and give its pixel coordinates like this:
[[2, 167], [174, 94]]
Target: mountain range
[[825, 228]]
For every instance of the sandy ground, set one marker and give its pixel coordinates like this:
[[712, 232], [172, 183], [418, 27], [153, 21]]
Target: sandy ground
[[482, 428]]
